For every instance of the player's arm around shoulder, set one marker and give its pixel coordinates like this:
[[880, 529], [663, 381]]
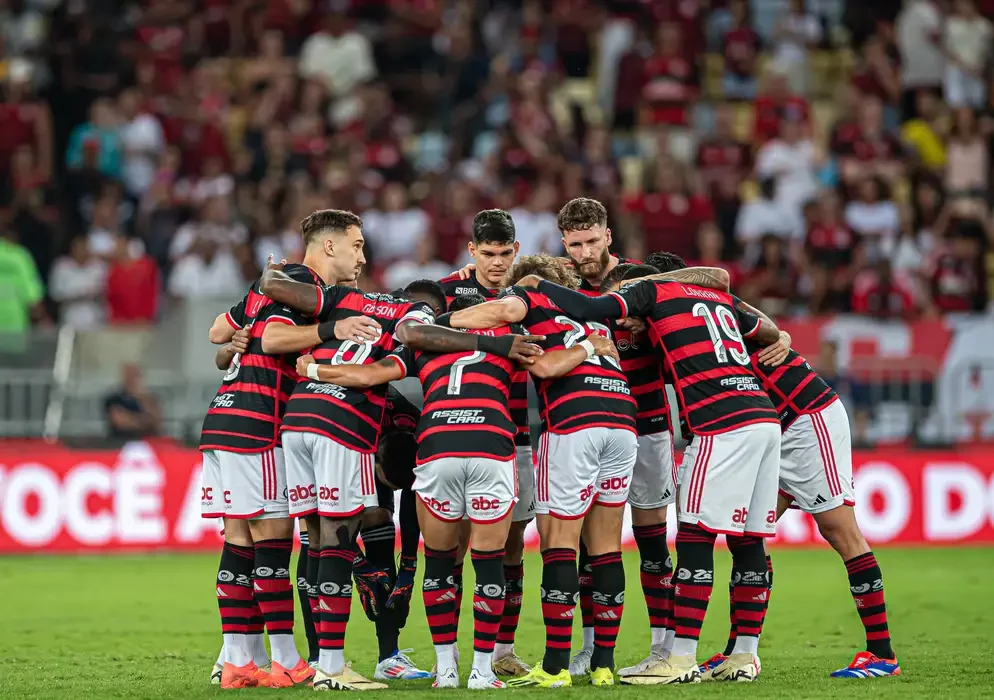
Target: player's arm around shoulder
[[558, 363], [491, 314], [351, 376], [709, 277]]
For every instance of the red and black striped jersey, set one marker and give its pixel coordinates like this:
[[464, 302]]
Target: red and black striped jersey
[[642, 365], [702, 335], [593, 394], [794, 387], [245, 414], [466, 401], [455, 287], [351, 417], [592, 291]]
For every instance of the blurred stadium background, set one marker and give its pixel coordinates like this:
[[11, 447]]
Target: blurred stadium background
[[833, 155]]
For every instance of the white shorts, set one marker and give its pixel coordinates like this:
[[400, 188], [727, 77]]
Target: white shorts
[[728, 482], [243, 485], [576, 469], [524, 509], [484, 490], [326, 477], [816, 460], [654, 474]]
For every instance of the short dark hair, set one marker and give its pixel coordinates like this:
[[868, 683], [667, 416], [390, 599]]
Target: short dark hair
[[665, 262], [328, 220], [626, 271], [428, 288], [464, 301], [581, 214], [546, 267], [493, 226], [397, 454]]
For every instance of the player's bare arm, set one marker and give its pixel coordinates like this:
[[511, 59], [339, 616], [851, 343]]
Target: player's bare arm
[[221, 330], [226, 353], [430, 338], [772, 355], [280, 338], [280, 287], [581, 307], [491, 314], [558, 363], [350, 376], [710, 277]]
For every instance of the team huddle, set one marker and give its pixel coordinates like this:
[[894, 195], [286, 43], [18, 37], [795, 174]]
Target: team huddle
[[307, 426]]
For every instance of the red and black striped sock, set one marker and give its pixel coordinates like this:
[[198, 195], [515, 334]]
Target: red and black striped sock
[[692, 589], [514, 579], [235, 601], [750, 590], [586, 596], [273, 588], [334, 594], [732, 628], [457, 580], [608, 573], [313, 566], [867, 587], [488, 598], [303, 596], [560, 589], [439, 595], [656, 573]]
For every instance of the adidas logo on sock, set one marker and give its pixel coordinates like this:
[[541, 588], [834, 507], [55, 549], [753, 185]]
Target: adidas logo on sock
[[819, 499]]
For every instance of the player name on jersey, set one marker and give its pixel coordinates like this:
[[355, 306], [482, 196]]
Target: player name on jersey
[[351, 417], [466, 398], [245, 414]]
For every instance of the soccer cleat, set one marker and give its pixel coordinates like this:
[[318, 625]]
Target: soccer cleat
[[707, 668], [674, 669], [656, 655], [346, 680], [483, 681], [399, 667], [538, 678], [282, 677], [239, 676], [601, 676], [216, 674], [580, 664], [511, 665], [447, 679], [867, 665], [742, 668]]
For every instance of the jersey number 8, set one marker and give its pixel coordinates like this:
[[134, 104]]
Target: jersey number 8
[[361, 354], [725, 323]]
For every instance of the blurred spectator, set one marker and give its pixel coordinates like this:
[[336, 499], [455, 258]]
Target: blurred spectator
[[395, 230], [967, 161], [21, 289], [879, 74], [878, 293], [740, 46], [833, 255], [919, 40], [342, 59], [776, 103], [790, 161], [795, 33], [957, 277], [668, 95], [771, 282], [423, 266], [77, 282], [102, 237], [967, 45], [132, 411], [925, 134], [670, 213], [873, 216], [34, 207], [866, 148], [133, 284], [766, 214], [709, 252], [216, 224], [142, 141], [721, 155], [24, 119], [206, 271], [97, 141], [535, 221]]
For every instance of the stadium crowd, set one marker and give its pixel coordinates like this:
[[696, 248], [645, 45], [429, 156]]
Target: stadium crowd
[[832, 156]]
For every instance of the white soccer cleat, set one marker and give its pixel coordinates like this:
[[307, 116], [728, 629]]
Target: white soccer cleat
[[674, 669], [399, 667], [580, 665], [511, 664], [741, 668], [483, 681], [216, 674], [447, 679], [346, 680], [656, 654]]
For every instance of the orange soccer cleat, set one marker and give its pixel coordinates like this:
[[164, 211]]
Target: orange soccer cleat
[[240, 676], [281, 677]]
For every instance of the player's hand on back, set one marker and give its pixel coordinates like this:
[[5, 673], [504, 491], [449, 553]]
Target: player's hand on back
[[465, 272], [240, 340], [529, 281], [524, 349], [302, 362], [603, 346], [774, 355], [271, 264], [633, 324], [358, 329]]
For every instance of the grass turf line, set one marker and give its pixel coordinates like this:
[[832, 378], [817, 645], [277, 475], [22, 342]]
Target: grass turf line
[[147, 627]]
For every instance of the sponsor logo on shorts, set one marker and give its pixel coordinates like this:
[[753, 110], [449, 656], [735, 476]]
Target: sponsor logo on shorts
[[740, 515], [586, 493], [614, 483], [741, 383], [771, 517], [456, 416], [437, 505], [227, 498], [301, 493], [206, 495], [329, 493], [485, 503]]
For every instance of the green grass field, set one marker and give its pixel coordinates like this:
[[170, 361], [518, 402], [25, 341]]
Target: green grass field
[[147, 627]]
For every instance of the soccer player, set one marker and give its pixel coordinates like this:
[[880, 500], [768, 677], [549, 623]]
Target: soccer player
[[727, 481], [493, 250], [586, 455], [332, 431], [244, 476], [465, 467], [587, 239]]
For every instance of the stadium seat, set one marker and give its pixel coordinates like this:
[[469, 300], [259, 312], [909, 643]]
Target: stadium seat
[[632, 173]]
